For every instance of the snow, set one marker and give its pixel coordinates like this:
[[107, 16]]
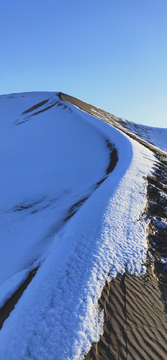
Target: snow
[[160, 223], [154, 135], [163, 260], [56, 159], [44, 172], [8, 287]]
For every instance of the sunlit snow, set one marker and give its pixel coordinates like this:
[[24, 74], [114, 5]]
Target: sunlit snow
[[52, 158], [154, 135]]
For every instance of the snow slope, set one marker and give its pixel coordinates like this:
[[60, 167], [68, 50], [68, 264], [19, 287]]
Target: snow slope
[[52, 158], [156, 136], [44, 172]]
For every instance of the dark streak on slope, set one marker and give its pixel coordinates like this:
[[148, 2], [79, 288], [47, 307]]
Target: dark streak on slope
[[29, 113], [45, 109], [10, 304], [74, 208], [112, 163], [22, 207], [113, 157], [35, 107], [36, 113]]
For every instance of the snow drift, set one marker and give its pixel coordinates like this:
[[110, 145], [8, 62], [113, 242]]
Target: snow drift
[[54, 159]]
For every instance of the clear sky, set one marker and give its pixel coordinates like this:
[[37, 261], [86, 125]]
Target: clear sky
[[110, 53]]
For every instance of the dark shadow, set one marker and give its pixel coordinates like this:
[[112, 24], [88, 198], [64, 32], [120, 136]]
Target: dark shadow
[[10, 304]]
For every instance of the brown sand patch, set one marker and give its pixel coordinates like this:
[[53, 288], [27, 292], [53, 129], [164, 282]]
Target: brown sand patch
[[135, 308], [135, 325], [108, 118]]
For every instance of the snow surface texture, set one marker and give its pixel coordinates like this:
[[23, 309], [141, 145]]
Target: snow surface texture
[[156, 136], [57, 316]]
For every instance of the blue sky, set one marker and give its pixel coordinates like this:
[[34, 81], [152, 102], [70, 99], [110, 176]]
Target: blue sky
[[110, 53]]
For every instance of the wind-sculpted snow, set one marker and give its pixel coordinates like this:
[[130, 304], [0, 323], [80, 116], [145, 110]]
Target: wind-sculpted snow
[[57, 316]]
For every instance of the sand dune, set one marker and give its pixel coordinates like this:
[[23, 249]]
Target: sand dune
[[135, 322], [146, 322], [135, 308]]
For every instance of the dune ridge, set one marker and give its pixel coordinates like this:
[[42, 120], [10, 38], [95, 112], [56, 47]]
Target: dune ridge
[[135, 308]]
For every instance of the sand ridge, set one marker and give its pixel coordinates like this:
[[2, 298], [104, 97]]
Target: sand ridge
[[135, 308]]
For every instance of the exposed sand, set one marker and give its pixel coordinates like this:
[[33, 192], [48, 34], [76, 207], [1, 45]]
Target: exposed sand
[[135, 308], [135, 324], [107, 117]]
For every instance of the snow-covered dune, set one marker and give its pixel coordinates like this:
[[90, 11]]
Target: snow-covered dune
[[154, 135], [49, 162], [63, 211]]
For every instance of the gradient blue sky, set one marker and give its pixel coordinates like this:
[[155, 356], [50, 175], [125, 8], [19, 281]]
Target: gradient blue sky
[[110, 53]]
